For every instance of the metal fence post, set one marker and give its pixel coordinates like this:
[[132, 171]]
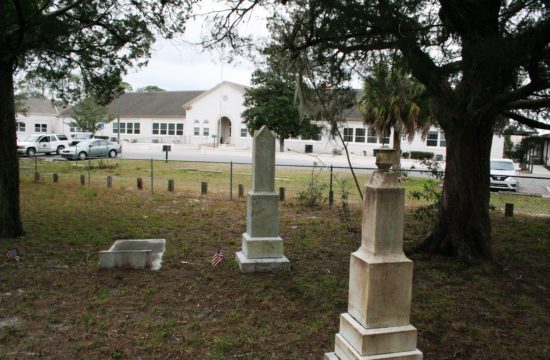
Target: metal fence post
[[330, 191], [89, 167], [231, 181], [204, 188], [241, 190], [282, 193], [82, 179], [55, 178], [171, 185], [109, 181], [36, 174], [140, 183], [152, 178]]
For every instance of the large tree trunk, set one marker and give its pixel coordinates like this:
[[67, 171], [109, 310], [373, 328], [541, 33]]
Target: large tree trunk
[[10, 217], [463, 226]]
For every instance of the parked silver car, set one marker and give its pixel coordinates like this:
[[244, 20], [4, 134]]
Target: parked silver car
[[94, 148], [503, 174]]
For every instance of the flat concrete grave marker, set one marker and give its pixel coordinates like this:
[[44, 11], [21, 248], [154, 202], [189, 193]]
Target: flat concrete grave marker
[[262, 247], [133, 254]]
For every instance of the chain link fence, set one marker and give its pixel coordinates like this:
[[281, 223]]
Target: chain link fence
[[311, 185]]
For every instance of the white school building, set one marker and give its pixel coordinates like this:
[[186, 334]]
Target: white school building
[[211, 118]]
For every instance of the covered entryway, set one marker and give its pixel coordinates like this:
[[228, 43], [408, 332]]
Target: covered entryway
[[225, 130]]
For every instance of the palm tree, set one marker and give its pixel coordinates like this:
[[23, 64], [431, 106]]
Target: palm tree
[[394, 99]]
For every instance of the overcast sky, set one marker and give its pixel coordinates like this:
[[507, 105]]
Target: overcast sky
[[180, 65]]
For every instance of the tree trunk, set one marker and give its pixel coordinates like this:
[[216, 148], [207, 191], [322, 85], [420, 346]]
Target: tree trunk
[[10, 217], [463, 227], [397, 146], [281, 144]]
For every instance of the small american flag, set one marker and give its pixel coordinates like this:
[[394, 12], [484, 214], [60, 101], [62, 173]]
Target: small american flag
[[13, 254], [218, 257]]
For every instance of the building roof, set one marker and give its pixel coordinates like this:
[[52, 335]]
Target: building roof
[[42, 106], [238, 87], [148, 104]]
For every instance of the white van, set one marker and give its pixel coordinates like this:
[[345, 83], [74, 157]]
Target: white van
[[503, 174]]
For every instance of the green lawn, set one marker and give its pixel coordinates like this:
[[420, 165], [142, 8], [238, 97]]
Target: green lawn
[[57, 305]]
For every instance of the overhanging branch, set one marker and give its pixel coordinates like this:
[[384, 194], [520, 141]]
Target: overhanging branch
[[526, 121]]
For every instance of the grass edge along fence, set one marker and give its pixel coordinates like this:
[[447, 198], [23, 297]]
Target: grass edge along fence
[[311, 184]]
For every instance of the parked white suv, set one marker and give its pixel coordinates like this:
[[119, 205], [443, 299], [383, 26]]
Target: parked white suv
[[42, 143], [503, 174]]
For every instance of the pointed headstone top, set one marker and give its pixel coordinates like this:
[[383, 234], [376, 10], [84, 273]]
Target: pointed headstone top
[[264, 133], [263, 160]]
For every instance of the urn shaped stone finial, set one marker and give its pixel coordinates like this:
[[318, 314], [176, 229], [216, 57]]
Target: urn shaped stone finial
[[385, 158]]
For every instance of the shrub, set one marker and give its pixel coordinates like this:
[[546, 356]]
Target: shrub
[[406, 155], [421, 155]]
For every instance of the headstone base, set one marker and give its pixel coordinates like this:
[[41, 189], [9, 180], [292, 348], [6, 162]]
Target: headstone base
[[345, 351], [247, 265]]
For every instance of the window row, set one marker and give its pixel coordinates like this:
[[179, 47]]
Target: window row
[[40, 128], [167, 128], [197, 131], [436, 138], [20, 126], [198, 121], [361, 135], [127, 128]]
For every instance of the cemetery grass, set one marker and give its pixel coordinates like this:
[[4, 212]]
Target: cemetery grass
[[57, 305]]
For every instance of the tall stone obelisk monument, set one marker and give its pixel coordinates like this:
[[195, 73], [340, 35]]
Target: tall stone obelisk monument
[[262, 247], [376, 325]]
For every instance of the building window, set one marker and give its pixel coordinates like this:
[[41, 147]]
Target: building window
[[129, 128], [197, 121], [206, 131], [179, 129], [436, 138], [386, 138], [196, 131], [156, 128], [442, 140], [244, 132], [206, 122], [372, 137], [115, 128], [360, 135], [40, 128], [122, 128], [432, 138], [163, 127], [20, 126], [137, 128], [171, 129], [348, 134]]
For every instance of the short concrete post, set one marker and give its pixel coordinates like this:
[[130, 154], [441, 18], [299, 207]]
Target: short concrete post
[[171, 185], [281, 194], [508, 210], [82, 180], [55, 178], [262, 247], [241, 190], [109, 181], [36, 177], [204, 188], [376, 325], [140, 183]]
